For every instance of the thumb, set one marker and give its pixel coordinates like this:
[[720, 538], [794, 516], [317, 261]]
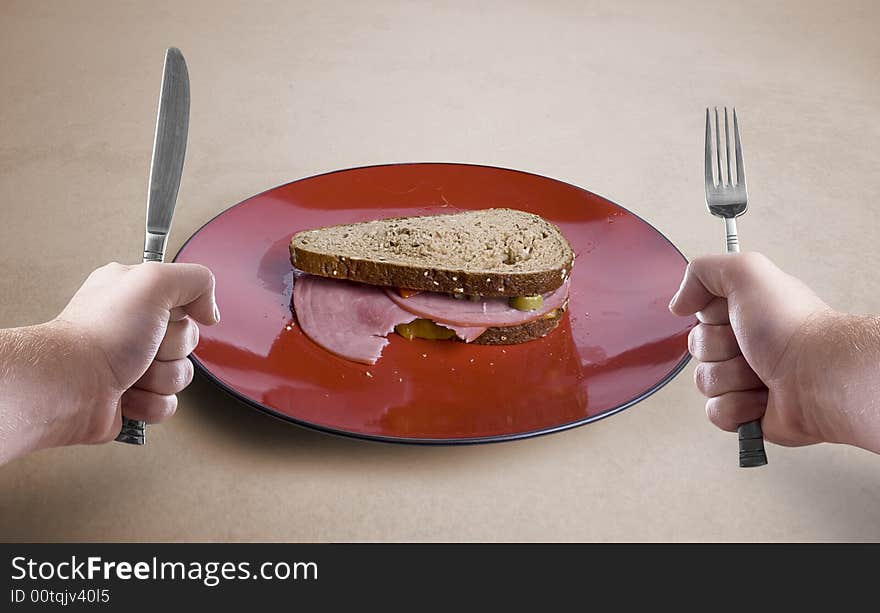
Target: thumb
[[184, 287], [718, 276]]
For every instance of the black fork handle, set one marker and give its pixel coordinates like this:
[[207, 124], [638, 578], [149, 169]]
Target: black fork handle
[[751, 445]]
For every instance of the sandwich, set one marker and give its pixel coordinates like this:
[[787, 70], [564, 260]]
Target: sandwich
[[491, 277]]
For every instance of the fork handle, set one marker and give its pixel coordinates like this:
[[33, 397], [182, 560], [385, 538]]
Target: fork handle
[[751, 445], [751, 438], [732, 237]]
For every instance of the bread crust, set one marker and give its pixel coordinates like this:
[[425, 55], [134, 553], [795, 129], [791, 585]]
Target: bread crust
[[427, 278], [514, 335]]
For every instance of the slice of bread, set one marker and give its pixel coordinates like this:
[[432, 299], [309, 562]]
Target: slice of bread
[[491, 252], [520, 334]]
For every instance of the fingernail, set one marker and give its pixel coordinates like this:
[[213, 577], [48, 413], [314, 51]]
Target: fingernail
[[674, 298], [216, 314]]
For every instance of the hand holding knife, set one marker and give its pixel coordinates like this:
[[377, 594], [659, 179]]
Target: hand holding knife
[[169, 150]]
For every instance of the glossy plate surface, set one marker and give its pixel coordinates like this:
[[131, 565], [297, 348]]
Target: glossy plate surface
[[617, 344]]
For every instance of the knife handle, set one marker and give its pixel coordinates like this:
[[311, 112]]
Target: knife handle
[[134, 431]]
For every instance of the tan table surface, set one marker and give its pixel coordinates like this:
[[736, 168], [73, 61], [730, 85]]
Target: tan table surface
[[609, 96]]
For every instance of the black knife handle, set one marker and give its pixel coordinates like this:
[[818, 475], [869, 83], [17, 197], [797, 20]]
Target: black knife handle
[[751, 445]]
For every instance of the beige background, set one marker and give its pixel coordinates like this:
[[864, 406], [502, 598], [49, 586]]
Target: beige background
[[608, 96]]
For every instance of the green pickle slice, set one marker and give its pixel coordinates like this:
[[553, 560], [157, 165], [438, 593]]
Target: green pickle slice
[[424, 328], [526, 303]]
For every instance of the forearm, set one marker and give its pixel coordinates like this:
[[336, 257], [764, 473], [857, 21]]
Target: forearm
[[843, 378], [42, 385]]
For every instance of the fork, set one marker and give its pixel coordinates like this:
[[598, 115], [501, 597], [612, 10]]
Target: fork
[[729, 200]]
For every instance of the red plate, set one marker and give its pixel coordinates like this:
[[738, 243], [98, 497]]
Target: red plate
[[617, 344]]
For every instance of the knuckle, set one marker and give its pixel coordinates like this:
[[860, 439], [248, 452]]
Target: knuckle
[[755, 258], [149, 272], [185, 340], [202, 269], [695, 263], [198, 272], [715, 413], [192, 335], [181, 375], [189, 372], [689, 268], [697, 341], [749, 263], [108, 270], [692, 340], [209, 277], [162, 408], [705, 378], [169, 407]]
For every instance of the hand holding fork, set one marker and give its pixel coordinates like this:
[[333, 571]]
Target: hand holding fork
[[729, 200]]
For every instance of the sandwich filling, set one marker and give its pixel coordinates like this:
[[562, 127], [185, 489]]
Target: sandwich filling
[[485, 312], [352, 319]]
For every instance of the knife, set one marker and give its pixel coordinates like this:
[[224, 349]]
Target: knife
[[169, 150]]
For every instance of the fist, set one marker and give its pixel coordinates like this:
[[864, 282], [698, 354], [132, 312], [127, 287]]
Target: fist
[[140, 322], [756, 323]]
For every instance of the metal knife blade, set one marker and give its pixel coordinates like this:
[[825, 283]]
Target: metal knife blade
[[166, 167], [169, 150]]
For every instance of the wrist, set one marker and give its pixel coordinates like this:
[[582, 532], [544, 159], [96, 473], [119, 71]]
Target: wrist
[[82, 378], [839, 375], [52, 387]]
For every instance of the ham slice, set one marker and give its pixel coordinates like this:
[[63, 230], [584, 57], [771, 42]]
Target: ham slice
[[488, 312], [351, 319], [465, 333]]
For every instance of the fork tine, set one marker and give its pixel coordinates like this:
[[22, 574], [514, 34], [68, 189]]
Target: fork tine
[[718, 150], [727, 143], [740, 171], [710, 182]]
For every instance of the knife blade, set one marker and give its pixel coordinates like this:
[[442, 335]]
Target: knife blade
[[166, 168]]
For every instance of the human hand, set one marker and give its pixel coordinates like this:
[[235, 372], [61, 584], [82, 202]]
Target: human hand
[[134, 325], [759, 347]]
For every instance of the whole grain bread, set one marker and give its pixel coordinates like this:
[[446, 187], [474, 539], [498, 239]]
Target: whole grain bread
[[491, 252]]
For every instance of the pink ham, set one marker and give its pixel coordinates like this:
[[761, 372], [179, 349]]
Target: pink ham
[[345, 318], [351, 319], [488, 312], [465, 333]]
